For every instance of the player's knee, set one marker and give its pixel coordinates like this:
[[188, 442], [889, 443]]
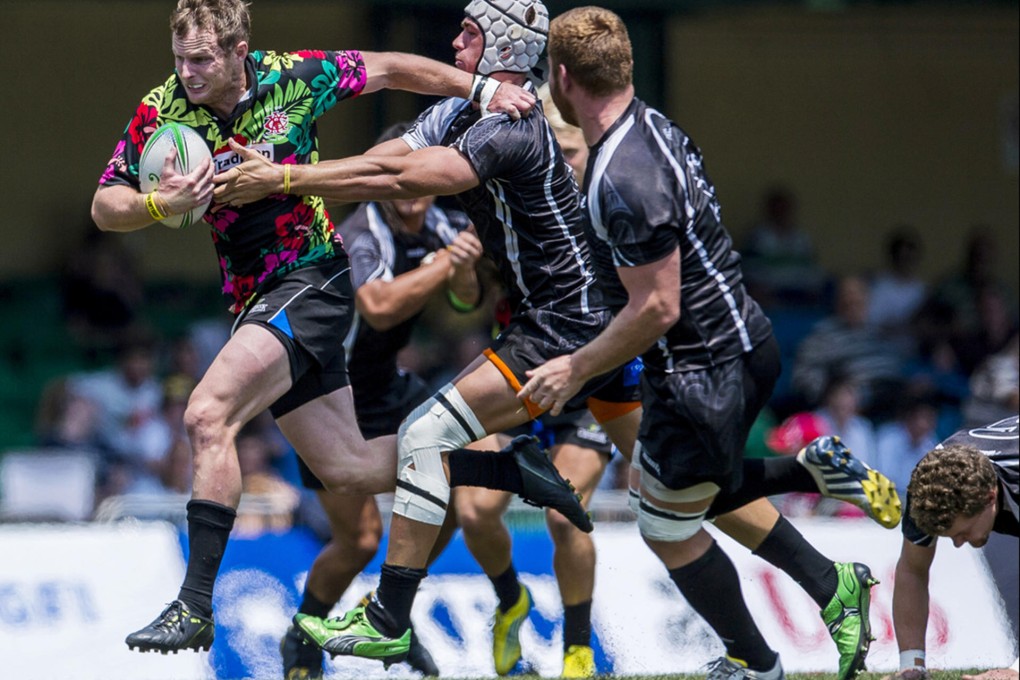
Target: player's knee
[[475, 520], [205, 422], [443, 423], [561, 529], [658, 516]]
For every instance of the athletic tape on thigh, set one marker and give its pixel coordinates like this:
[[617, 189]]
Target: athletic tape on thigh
[[660, 524], [443, 423]]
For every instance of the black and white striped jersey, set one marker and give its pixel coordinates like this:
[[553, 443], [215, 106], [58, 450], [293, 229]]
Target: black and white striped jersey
[[526, 208], [998, 441], [647, 194]]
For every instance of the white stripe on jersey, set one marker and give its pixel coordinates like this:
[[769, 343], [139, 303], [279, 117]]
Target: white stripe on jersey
[[384, 237], [589, 274], [513, 248], [595, 185], [706, 262]]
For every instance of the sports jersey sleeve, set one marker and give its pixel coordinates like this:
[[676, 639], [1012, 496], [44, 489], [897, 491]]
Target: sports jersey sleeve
[[330, 75], [431, 126], [499, 148], [366, 260], [122, 169], [641, 225]]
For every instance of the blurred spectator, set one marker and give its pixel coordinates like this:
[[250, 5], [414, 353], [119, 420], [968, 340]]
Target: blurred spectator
[[994, 324], [844, 343], [995, 387], [950, 314], [897, 292], [101, 290], [273, 509], [901, 443], [779, 262], [841, 413], [65, 419], [131, 433]]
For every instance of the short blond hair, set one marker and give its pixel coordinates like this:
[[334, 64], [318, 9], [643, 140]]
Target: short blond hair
[[948, 483], [229, 20], [593, 44]]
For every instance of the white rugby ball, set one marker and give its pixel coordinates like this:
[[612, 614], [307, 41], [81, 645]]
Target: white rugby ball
[[191, 151]]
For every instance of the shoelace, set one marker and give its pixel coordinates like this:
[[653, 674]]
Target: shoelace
[[172, 617], [723, 668]]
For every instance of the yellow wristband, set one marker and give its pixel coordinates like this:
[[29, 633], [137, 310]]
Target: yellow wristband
[[286, 179], [150, 205]]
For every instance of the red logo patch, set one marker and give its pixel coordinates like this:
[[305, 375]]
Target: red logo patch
[[277, 123]]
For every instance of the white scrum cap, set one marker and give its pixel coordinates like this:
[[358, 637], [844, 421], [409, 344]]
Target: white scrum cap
[[515, 33]]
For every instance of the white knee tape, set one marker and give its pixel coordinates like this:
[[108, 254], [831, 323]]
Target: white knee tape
[[659, 524], [443, 423]]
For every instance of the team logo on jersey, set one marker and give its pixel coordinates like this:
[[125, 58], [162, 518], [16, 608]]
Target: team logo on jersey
[[227, 159], [277, 125], [1002, 430]]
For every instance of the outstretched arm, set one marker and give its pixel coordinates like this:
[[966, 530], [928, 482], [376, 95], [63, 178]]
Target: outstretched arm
[[414, 73], [431, 171]]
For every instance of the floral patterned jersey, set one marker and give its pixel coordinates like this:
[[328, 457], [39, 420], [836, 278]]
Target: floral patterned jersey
[[263, 240]]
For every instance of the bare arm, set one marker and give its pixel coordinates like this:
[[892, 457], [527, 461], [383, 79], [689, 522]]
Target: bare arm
[[432, 171], [122, 208], [414, 73], [910, 595], [653, 306], [384, 304]]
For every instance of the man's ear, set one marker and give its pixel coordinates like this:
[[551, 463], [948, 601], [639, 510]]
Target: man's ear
[[241, 49]]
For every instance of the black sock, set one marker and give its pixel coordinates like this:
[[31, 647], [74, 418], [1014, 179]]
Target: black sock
[[490, 469], [313, 606], [390, 610], [787, 549], [577, 625], [508, 589], [712, 588], [209, 525], [765, 477]]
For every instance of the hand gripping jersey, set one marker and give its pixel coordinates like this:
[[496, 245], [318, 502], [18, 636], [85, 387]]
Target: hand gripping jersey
[[999, 442], [288, 92], [647, 194]]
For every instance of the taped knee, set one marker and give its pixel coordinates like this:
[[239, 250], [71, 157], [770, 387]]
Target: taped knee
[[657, 523], [443, 423]]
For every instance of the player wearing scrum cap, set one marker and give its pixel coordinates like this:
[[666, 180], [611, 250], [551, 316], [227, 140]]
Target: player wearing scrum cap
[[510, 178], [286, 279]]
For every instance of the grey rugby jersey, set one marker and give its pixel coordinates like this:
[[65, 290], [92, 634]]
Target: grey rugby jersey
[[999, 442], [526, 208], [379, 253], [647, 194]]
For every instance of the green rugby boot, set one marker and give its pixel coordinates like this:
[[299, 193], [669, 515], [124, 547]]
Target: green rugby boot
[[846, 617], [506, 629], [353, 635], [302, 660]]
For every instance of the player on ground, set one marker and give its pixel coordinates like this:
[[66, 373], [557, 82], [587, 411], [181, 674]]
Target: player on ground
[[402, 254], [965, 489], [711, 361], [287, 280]]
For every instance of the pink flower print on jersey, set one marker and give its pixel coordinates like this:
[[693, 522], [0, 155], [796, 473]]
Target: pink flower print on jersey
[[116, 162], [221, 216], [311, 54], [352, 70]]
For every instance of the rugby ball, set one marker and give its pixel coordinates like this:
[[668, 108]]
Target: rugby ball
[[191, 151]]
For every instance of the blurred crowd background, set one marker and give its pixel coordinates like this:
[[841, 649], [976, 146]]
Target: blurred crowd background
[[865, 156]]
